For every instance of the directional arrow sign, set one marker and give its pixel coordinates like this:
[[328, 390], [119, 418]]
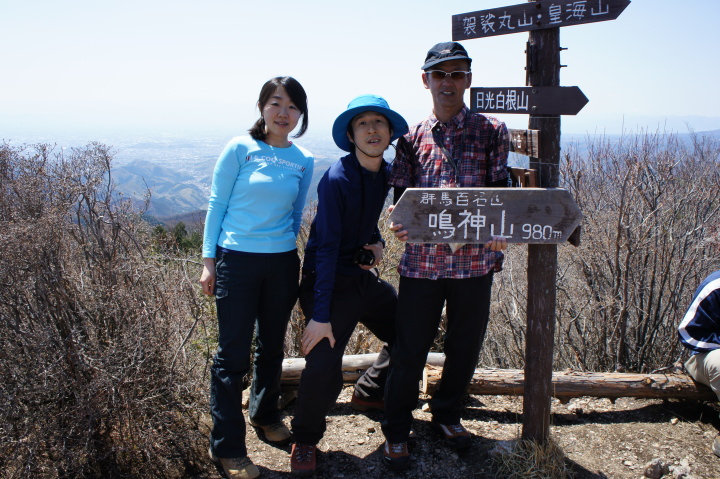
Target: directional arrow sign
[[533, 16], [473, 215], [546, 100]]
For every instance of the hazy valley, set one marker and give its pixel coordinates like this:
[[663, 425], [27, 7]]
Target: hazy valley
[[177, 169]]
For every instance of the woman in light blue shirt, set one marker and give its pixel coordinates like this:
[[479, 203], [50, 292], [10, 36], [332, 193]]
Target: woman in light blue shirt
[[251, 265]]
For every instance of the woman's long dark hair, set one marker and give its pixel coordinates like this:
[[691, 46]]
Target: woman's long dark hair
[[296, 93]]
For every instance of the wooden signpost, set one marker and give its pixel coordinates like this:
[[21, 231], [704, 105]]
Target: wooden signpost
[[542, 20], [534, 15], [559, 100], [474, 215]]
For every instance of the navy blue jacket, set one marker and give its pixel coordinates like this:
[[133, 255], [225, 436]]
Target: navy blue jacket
[[350, 201], [700, 328]]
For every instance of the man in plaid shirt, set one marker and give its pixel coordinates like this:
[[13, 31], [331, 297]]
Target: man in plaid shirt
[[453, 147]]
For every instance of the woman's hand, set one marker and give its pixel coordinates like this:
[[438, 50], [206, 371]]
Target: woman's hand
[[314, 333], [208, 276]]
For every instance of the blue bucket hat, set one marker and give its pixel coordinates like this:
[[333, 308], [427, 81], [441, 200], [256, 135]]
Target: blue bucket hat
[[362, 104]]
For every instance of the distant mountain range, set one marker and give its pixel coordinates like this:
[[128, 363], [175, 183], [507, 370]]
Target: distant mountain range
[[178, 172], [177, 193], [172, 191]]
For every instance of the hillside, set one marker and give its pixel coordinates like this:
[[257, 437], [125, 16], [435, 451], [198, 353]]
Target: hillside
[[172, 191], [179, 191], [194, 220]]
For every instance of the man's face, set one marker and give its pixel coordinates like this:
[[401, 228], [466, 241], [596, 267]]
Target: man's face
[[447, 94], [371, 133]]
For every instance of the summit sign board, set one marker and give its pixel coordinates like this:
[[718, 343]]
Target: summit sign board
[[534, 16], [474, 215]]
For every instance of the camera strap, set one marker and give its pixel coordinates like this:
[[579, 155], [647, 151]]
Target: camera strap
[[362, 204], [460, 147], [362, 198]]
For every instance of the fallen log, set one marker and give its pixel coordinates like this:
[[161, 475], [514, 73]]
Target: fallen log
[[511, 382], [353, 366], [570, 384]]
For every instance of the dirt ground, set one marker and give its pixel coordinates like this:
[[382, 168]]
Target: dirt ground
[[599, 439]]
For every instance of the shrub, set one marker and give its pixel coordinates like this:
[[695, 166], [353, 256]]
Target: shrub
[[651, 206], [101, 373]]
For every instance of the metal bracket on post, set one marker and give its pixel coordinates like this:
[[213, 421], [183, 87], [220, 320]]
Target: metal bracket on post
[[530, 61], [561, 49]]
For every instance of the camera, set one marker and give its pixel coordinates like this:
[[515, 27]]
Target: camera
[[364, 257]]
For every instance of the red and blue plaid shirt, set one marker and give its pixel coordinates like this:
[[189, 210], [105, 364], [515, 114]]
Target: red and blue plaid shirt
[[479, 146]]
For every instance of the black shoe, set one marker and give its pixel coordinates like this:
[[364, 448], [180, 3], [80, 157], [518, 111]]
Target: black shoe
[[456, 436]]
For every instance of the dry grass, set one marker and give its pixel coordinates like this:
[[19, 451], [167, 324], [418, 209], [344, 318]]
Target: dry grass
[[530, 460]]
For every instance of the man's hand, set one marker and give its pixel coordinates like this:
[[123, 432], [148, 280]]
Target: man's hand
[[314, 333], [400, 233], [497, 243], [377, 251]]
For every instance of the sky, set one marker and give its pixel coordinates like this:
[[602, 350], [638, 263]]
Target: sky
[[181, 66]]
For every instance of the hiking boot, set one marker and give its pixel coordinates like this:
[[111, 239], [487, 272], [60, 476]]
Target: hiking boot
[[302, 459], [396, 455], [274, 432], [364, 405], [456, 436], [236, 467], [716, 446]]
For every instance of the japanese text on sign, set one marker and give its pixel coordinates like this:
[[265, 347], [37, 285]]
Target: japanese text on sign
[[502, 100], [559, 100], [493, 21], [473, 215], [474, 222]]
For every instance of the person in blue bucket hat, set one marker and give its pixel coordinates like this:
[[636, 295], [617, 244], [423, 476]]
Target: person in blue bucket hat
[[340, 285]]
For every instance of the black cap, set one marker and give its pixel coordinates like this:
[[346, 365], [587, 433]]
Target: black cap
[[443, 52]]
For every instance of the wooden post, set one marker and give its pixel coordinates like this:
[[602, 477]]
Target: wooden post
[[542, 20], [543, 69]]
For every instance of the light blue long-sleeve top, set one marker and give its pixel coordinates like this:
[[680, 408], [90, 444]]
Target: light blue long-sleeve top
[[257, 197]]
